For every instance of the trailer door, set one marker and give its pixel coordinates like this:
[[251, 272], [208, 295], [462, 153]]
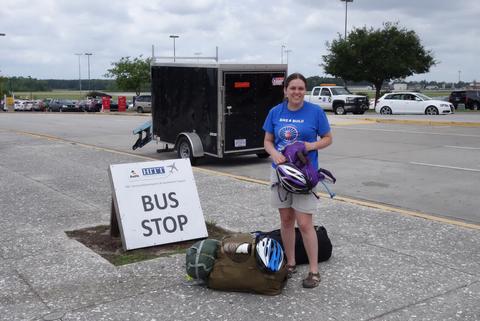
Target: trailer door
[[248, 96]]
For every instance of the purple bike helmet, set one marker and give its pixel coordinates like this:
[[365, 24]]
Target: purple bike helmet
[[292, 179]]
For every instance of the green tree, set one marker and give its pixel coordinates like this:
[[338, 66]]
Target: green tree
[[131, 74], [3, 90], [377, 55]]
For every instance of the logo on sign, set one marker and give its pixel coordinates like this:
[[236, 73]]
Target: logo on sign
[[153, 171], [277, 81], [133, 174]]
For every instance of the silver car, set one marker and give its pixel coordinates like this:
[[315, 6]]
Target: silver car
[[143, 104]]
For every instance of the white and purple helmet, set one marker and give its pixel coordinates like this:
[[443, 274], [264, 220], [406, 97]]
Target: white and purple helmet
[[292, 179]]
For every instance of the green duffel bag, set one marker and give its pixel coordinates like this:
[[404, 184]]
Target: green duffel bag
[[240, 272], [200, 258]]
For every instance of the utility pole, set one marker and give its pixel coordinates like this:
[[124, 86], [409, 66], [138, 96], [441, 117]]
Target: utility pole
[[174, 37], [88, 54], [79, 72]]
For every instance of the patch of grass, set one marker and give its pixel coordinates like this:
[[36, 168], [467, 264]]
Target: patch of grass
[[98, 239]]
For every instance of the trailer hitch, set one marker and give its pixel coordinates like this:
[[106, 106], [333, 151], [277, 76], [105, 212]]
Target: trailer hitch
[[144, 129]]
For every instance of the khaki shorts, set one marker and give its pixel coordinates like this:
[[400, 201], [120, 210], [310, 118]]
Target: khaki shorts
[[280, 198]]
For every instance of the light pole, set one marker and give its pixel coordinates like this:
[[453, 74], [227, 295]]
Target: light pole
[[197, 54], [79, 73], [459, 74], [2, 35], [174, 37], [287, 52], [88, 54], [346, 5], [281, 52]]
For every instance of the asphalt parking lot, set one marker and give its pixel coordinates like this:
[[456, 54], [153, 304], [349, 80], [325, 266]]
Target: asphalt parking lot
[[386, 265], [401, 161]]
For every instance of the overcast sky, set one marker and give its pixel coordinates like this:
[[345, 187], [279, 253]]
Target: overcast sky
[[42, 36]]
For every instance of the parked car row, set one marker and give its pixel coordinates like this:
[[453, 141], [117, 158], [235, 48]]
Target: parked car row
[[141, 104], [417, 103], [27, 105]]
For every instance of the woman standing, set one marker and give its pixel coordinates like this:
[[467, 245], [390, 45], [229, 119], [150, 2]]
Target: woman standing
[[295, 120]]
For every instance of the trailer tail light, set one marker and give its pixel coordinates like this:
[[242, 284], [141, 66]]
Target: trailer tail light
[[241, 84]]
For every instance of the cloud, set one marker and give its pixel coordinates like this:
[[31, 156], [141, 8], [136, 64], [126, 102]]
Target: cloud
[[44, 35]]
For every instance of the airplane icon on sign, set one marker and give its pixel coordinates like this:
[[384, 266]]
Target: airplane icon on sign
[[172, 167]]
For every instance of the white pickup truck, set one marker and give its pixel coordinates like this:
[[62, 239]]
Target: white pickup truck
[[337, 99]]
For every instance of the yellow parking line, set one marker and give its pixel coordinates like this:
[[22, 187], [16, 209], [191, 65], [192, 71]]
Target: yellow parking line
[[409, 212], [263, 182], [353, 122], [423, 122]]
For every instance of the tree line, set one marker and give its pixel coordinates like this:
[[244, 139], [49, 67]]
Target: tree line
[[14, 84]]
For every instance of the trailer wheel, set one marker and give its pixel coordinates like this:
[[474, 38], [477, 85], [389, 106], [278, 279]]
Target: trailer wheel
[[184, 150]]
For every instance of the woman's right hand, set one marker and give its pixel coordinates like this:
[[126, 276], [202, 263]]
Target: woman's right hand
[[278, 158]]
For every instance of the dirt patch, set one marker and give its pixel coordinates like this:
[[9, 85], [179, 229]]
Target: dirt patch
[[98, 239]]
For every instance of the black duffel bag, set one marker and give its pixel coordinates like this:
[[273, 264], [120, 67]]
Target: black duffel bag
[[324, 244]]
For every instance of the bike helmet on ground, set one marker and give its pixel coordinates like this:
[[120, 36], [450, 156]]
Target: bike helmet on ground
[[269, 254], [292, 179]]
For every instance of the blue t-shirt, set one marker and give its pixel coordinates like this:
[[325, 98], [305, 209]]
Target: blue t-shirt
[[303, 125]]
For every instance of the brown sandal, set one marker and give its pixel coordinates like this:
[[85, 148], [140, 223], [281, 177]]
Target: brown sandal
[[312, 280], [291, 269]]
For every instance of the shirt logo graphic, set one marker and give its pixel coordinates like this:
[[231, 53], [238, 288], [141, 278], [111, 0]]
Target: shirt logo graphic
[[288, 133]]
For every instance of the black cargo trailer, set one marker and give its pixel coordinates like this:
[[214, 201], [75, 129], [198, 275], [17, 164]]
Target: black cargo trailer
[[216, 110]]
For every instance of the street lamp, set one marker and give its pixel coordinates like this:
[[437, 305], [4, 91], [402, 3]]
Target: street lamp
[[174, 37], [346, 3], [287, 52], [88, 54], [2, 34], [79, 73], [281, 52], [197, 54]]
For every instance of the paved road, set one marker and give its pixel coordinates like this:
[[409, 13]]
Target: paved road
[[432, 169]]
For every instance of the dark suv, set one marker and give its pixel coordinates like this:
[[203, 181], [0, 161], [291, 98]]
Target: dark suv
[[469, 98]]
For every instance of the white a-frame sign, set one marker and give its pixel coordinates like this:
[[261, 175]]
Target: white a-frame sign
[[156, 203]]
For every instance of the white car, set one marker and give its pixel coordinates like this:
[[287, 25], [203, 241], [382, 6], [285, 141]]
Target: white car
[[412, 103]]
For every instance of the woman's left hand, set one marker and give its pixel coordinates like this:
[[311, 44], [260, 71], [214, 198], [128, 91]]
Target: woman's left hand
[[309, 146], [325, 141]]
